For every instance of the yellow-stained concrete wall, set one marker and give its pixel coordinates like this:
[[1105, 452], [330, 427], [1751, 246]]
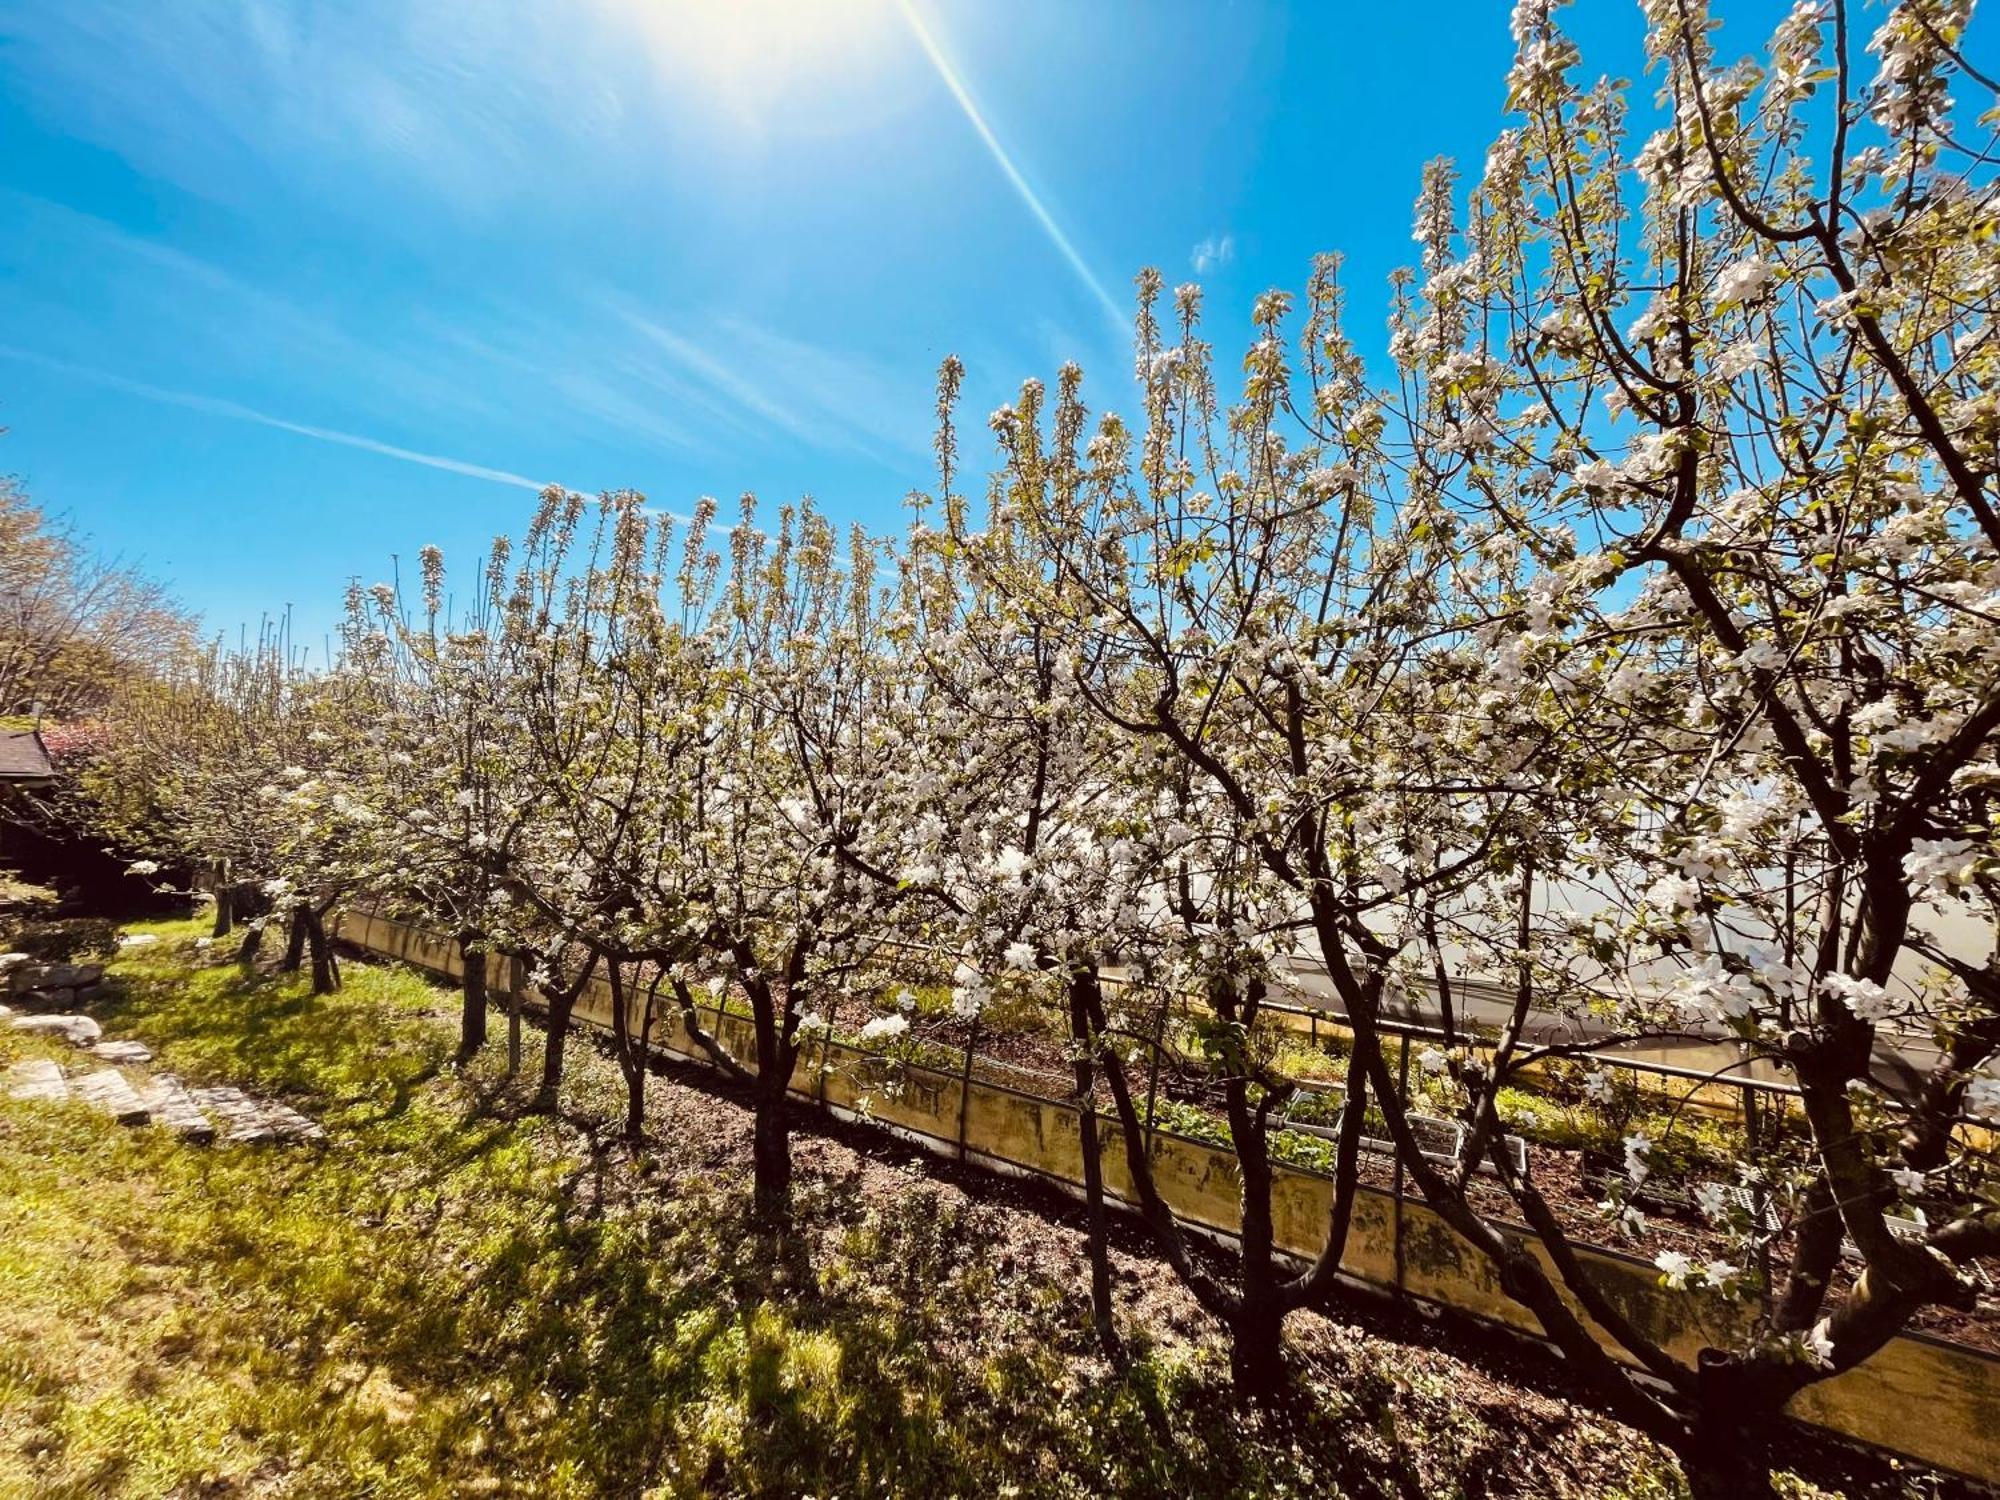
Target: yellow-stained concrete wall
[[1923, 1398]]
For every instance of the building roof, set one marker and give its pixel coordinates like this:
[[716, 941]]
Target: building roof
[[23, 756]]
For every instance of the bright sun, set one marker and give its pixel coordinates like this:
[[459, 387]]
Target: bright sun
[[750, 56]]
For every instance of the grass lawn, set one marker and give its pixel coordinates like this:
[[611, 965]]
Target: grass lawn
[[450, 1299]]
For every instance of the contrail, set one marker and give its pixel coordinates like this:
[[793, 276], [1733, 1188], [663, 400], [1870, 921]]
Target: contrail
[[236, 411], [216, 406], [952, 81]]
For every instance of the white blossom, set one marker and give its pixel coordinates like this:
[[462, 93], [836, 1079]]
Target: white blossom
[[1637, 1148], [1675, 1268], [885, 1028], [1743, 281], [1936, 865]]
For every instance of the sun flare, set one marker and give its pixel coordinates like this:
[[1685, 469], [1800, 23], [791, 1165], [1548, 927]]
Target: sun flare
[[752, 56]]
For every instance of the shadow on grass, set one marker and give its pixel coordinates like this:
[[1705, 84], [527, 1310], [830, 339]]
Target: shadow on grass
[[456, 1295]]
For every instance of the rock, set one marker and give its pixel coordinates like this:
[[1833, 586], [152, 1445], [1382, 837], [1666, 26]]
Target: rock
[[174, 1109], [107, 1090], [80, 1031], [289, 1124], [10, 961], [125, 1053], [245, 1119], [6, 1011], [37, 1078], [25, 977], [237, 1114]]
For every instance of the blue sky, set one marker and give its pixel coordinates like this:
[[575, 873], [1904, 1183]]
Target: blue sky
[[287, 287]]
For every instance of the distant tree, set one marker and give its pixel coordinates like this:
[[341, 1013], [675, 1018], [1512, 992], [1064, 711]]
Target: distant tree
[[73, 623], [445, 766], [198, 770]]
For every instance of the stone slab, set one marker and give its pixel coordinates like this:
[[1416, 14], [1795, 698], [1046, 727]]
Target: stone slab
[[36, 1078], [107, 1090], [239, 1117], [23, 977], [126, 1053], [289, 1124], [80, 1031], [173, 1108]]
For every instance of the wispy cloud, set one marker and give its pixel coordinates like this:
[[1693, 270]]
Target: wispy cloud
[[738, 390], [236, 411], [934, 50], [1213, 253], [211, 317], [756, 381], [235, 100]]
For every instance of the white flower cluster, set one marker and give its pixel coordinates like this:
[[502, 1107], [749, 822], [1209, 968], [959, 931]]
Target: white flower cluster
[[1680, 1272], [884, 1029]]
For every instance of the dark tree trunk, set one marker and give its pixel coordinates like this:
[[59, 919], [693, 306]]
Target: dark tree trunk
[[1256, 1349], [635, 1103], [561, 1003], [325, 966], [1097, 1240], [772, 1157], [771, 1008], [472, 990], [771, 1154], [1098, 1234], [295, 943], [1256, 1358], [1722, 1466], [631, 1050]]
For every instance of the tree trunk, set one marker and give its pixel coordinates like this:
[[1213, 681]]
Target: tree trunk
[[772, 1155], [325, 966], [1256, 1362], [1097, 1233], [517, 985], [635, 1103], [1256, 1353], [631, 1052], [295, 943], [561, 1003], [1721, 1466], [472, 988]]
